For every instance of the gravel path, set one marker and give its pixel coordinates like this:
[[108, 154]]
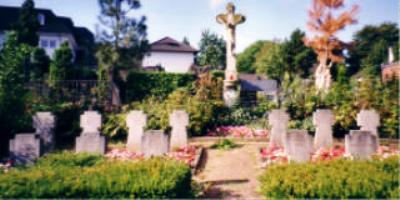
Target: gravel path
[[231, 173]]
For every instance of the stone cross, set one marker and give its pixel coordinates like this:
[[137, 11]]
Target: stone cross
[[90, 122], [368, 120], [25, 148], [155, 143], [136, 122], [361, 144], [323, 121], [90, 141], [299, 146], [179, 120], [44, 123], [230, 20], [278, 119]]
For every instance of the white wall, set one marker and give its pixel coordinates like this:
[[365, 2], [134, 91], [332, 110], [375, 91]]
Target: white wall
[[170, 61], [58, 39]]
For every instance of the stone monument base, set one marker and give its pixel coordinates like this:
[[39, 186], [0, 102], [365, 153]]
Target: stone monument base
[[231, 93], [91, 143]]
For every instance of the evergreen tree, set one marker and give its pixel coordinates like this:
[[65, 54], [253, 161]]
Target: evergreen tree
[[212, 50], [40, 63], [28, 24], [61, 63], [186, 41], [12, 91]]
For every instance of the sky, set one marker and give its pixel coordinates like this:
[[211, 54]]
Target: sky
[[266, 19]]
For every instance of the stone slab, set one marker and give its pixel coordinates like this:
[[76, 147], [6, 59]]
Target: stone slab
[[361, 144], [91, 143], [278, 119], [179, 120], [25, 148], [90, 122], [368, 120], [136, 122], [155, 143], [44, 123], [298, 146]]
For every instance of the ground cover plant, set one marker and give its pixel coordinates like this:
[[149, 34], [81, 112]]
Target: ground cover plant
[[334, 179], [224, 144], [69, 175]]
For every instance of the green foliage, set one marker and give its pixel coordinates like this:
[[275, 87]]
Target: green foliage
[[40, 64], [246, 59], [125, 34], [69, 175], [339, 179], [140, 85], [272, 63], [224, 144], [13, 95], [212, 50], [370, 46], [28, 25], [61, 63]]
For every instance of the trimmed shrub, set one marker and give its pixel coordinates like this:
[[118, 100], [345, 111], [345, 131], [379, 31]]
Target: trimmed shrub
[[86, 176], [140, 85], [335, 179]]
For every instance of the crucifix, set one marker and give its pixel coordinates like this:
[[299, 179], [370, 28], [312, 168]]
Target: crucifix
[[230, 20]]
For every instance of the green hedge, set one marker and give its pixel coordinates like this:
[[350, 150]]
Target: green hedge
[[140, 85], [335, 179], [86, 176]]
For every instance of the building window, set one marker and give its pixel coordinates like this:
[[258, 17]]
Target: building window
[[44, 43], [41, 19], [53, 44]]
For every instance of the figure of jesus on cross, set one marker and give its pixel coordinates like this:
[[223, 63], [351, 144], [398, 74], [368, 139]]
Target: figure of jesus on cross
[[230, 20]]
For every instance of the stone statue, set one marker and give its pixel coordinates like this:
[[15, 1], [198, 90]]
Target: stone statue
[[230, 20]]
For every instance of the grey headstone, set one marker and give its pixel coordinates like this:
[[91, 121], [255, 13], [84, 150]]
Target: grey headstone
[[323, 121], [368, 120], [155, 143], [361, 144], [278, 119], [179, 120], [90, 140], [90, 122], [44, 123], [25, 148], [91, 143], [299, 146], [136, 122]]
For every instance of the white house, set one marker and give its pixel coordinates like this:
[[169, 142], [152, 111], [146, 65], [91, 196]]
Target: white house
[[171, 55], [53, 31]]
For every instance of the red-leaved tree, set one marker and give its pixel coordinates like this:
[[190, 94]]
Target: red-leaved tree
[[325, 20]]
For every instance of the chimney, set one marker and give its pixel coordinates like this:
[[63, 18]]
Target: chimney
[[391, 55]]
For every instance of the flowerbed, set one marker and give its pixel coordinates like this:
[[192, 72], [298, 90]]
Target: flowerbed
[[186, 155], [238, 132], [276, 154]]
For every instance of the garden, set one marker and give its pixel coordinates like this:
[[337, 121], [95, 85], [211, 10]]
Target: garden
[[101, 126]]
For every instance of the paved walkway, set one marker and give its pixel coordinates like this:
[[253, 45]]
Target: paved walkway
[[231, 173]]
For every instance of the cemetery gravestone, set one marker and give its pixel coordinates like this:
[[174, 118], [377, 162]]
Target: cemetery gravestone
[[323, 121], [136, 122], [90, 140], [155, 143], [361, 144], [299, 146], [25, 148], [179, 120], [368, 120], [278, 119], [44, 123]]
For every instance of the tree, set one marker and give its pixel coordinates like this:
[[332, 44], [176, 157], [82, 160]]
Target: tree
[[28, 24], [271, 62], [186, 41], [212, 50], [247, 59], [39, 63], [297, 56], [370, 42], [325, 24], [61, 63], [123, 37], [13, 95]]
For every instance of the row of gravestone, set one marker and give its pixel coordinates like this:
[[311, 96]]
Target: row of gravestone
[[26, 147], [299, 145]]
